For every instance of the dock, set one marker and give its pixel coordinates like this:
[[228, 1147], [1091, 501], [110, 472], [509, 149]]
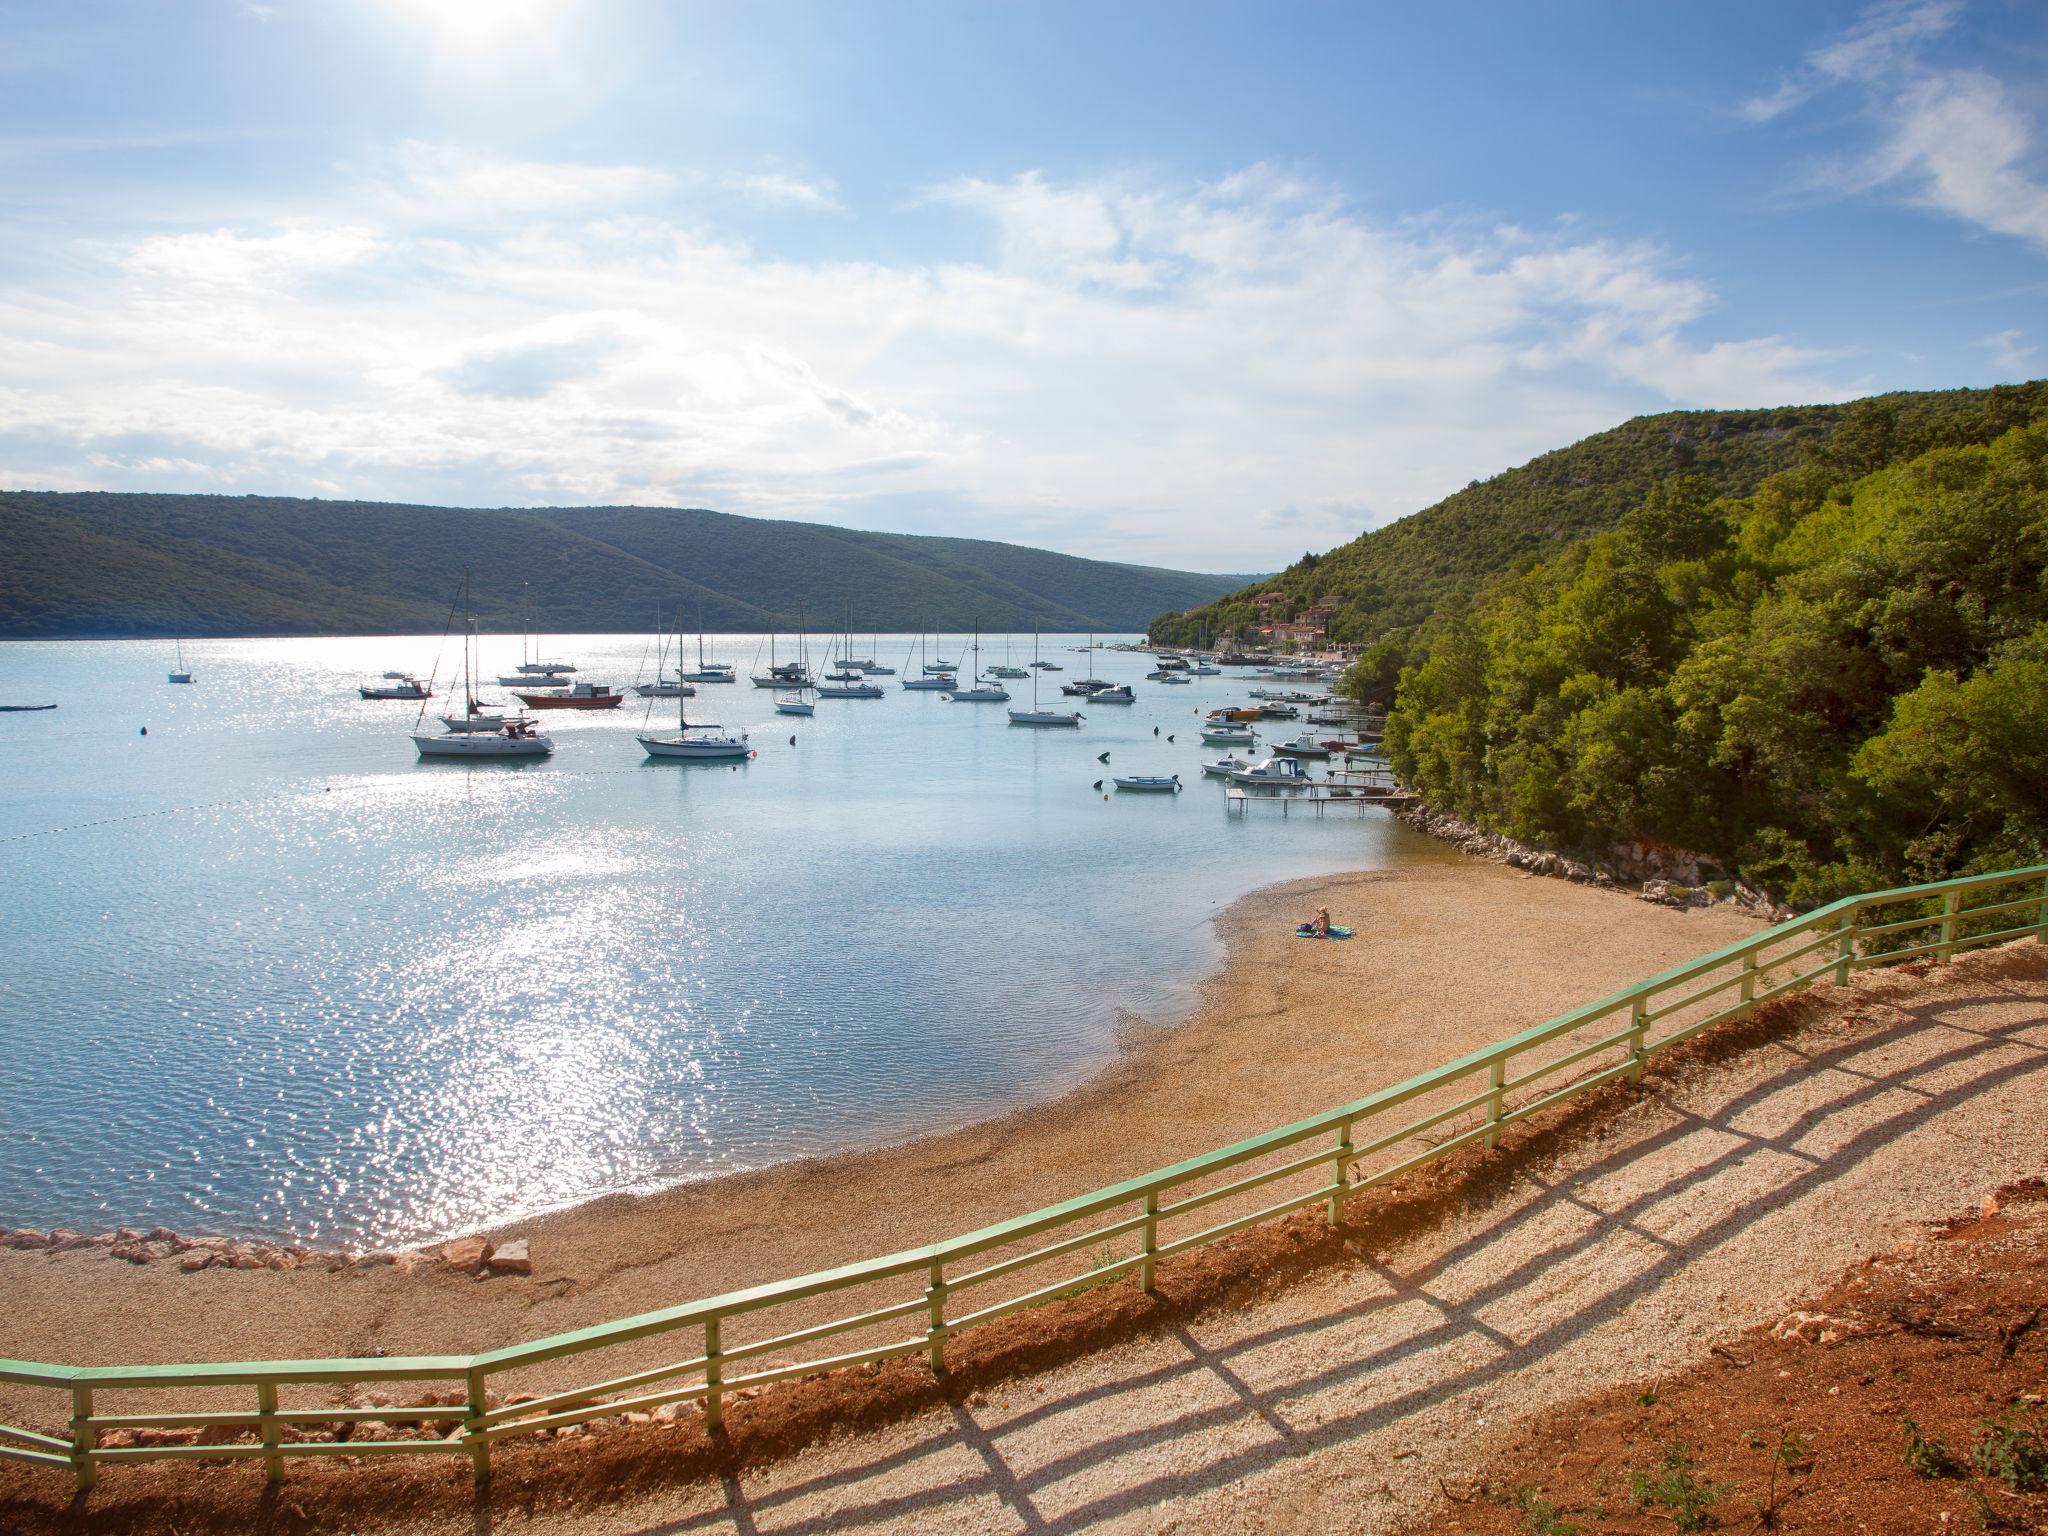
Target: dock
[[1318, 797]]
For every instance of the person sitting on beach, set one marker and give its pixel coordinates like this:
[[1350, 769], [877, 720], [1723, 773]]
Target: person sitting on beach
[[1319, 926]]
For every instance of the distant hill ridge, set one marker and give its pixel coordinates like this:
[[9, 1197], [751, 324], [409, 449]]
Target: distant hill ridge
[[102, 563], [1398, 575]]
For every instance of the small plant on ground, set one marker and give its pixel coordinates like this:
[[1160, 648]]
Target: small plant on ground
[[1931, 1458], [2013, 1452], [1791, 1458], [1541, 1515], [1989, 1515], [1678, 1487]]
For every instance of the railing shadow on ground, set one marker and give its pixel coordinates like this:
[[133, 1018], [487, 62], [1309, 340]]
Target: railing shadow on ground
[[1992, 1059]]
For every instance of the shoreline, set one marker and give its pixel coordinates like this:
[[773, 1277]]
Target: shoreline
[[1283, 1028]]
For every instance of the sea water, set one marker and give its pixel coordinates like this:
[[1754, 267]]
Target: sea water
[[264, 972]]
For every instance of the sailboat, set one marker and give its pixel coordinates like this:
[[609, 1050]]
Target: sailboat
[[934, 667], [181, 675], [709, 671], [983, 691], [793, 674], [712, 745], [849, 682], [930, 679], [1034, 715], [873, 668], [664, 686], [510, 739], [1006, 670]]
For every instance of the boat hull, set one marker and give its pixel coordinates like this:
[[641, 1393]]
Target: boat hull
[[572, 701], [696, 750], [484, 749], [1044, 717]]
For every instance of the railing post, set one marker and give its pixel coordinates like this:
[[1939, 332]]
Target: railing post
[[83, 1438], [1340, 1173], [1748, 987], [1950, 905], [1148, 1267], [713, 1374], [2041, 916], [1638, 1032], [1496, 1101], [267, 1431], [1848, 960], [935, 1332], [473, 1429]]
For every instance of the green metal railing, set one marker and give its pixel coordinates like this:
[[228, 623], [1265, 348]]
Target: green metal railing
[[1337, 1153]]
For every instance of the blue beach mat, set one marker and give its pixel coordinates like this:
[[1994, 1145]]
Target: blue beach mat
[[1334, 933]]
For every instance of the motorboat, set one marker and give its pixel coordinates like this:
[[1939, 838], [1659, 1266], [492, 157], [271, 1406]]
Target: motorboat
[[1084, 687], [533, 669], [1149, 782], [1284, 771], [1173, 677], [1117, 693], [1228, 736], [1204, 669], [410, 688], [516, 738], [794, 704], [1224, 767], [790, 674], [1304, 745], [581, 696], [1007, 672], [1047, 666], [1278, 712], [850, 690]]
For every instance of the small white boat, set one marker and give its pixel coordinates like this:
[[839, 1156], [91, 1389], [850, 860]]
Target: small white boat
[[1045, 717], [1203, 669], [1285, 771], [980, 693], [712, 672], [515, 739], [850, 691], [794, 704], [1229, 736], [1304, 745], [1174, 677], [1224, 767], [1117, 694], [1149, 782], [937, 684], [410, 688], [665, 689], [1048, 666], [479, 722]]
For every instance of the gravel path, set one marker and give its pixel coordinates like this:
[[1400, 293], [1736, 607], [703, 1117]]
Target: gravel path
[[1338, 1405]]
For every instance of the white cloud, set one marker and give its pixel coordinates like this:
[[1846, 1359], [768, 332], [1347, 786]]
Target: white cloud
[[2008, 355], [1949, 139], [1208, 375]]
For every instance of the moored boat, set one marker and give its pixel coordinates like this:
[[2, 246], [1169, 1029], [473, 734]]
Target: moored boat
[[581, 696], [1149, 782], [410, 688], [514, 739]]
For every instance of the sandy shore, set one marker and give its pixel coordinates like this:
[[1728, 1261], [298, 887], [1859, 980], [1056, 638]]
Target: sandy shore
[[1451, 954]]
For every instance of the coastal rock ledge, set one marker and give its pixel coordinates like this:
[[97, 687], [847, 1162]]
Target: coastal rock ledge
[[1670, 877], [473, 1255]]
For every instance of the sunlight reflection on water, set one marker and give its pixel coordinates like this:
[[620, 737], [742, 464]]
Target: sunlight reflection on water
[[268, 974]]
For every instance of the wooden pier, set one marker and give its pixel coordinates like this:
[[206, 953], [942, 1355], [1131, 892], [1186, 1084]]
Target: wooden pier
[[1318, 797]]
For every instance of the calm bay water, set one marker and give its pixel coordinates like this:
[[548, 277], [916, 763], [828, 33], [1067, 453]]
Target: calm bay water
[[262, 972]]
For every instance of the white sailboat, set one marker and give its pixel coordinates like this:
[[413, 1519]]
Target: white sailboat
[[792, 674], [466, 736], [709, 671], [1034, 715], [930, 679], [983, 691], [181, 675]]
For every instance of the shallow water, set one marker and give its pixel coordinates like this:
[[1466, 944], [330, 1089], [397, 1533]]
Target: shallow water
[[266, 973]]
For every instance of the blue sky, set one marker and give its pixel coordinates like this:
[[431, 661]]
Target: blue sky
[[1196, 285]]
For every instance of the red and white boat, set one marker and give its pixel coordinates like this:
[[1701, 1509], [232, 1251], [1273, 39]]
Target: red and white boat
[[582, 696]]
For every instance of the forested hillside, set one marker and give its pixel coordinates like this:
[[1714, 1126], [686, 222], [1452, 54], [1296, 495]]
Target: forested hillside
[[1833, 683], [109, 564], [1398, 575]]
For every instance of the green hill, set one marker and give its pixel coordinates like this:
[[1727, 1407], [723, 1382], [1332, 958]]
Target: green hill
[[109, 564], [1400, 574], [1836, 682]]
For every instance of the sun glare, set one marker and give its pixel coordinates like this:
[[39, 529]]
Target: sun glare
[[482, 25]]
